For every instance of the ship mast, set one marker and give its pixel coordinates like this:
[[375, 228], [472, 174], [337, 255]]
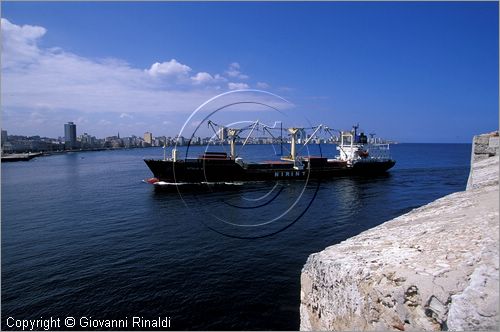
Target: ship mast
[[232, 134], [293, 152]]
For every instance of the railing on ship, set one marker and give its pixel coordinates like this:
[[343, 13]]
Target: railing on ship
[[379, 151]]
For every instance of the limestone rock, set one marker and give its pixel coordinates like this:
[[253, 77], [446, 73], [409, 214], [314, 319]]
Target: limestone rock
[[483, 173], [434, 268], [484, 146]]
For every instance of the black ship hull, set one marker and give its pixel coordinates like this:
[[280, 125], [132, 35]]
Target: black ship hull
[[225, 170]]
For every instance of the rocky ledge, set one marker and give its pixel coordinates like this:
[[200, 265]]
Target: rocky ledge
[[434, 268]]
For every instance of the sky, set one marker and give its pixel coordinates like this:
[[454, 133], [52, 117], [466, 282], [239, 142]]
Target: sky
[[410, 72]]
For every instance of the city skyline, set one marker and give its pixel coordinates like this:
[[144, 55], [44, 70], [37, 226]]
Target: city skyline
[[72, 141], [411, 72]]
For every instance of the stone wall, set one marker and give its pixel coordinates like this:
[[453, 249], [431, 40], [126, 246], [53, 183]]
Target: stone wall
[[485, 146], [434, 268]]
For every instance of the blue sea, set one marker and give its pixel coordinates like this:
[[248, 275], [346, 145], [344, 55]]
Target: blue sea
[[83, 236]]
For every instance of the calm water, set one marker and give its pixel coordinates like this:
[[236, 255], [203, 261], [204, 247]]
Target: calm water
[[83, 236]]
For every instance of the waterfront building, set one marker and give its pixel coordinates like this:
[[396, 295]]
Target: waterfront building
[[4, 136], [160, 141], [137, 141], [222, 133], [148, 138], [87, 141], [127, 142], [70, 135], [180, 140]]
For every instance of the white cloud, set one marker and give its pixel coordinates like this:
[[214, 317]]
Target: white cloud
[[234, 71], [62, 86], [202, 77], [237, 86], [19, 44], [169, 68], [262, 85], [126, 116], [206, 78], [52, 79]]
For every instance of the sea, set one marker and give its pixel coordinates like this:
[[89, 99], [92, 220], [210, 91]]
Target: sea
[[84, 236]]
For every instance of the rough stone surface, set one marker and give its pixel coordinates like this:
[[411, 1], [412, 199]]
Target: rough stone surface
[[483, 173], [434, 268], [485, 146]]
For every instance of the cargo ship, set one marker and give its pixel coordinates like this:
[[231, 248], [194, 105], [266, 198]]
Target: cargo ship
[[356, 156]]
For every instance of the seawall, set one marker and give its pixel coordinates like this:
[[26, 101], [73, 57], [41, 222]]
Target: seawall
[[434, 268]]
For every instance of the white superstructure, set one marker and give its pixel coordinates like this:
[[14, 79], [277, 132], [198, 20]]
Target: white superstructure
[[355, 148]]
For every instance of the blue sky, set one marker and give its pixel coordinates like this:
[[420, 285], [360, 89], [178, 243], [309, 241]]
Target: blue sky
[[412, 72]]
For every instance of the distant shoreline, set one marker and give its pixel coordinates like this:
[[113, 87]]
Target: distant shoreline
[[26, 156], [49, 153], [58, 152]]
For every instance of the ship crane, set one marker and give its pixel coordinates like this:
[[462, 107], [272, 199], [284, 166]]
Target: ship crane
[[233, 134], [317, 129]]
